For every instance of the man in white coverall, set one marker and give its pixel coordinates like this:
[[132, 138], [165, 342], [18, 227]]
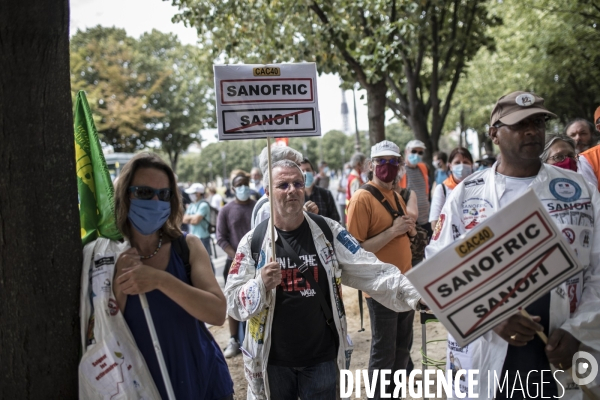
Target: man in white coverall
[[290, 351], [570, 313]]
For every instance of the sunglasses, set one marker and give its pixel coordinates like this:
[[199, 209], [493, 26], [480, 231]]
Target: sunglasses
[[392, 161], [147, 193], [286, 185], [419, 152]]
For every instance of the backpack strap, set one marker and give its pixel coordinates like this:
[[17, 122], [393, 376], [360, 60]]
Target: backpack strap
[[257, 207], [181, 248], [319, 220], [444, 189], [261, 229], [379, 196], [257, 238]]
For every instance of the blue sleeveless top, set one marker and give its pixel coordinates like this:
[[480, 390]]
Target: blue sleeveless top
[[195, 362]]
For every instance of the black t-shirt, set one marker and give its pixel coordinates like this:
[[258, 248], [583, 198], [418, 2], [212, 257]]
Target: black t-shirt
[[300, 336], [530, 359]]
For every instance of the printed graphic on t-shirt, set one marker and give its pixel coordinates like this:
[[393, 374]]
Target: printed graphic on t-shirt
[[292, 279]]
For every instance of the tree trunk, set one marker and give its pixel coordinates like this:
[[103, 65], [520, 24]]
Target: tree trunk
[[40, 247], [376, 103]]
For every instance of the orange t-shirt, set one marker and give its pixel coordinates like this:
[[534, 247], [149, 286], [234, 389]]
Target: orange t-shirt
[[367, 218]]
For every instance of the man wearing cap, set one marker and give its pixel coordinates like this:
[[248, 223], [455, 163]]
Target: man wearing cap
[[195, 214], [512, 349], [386, 235], [416, 179]]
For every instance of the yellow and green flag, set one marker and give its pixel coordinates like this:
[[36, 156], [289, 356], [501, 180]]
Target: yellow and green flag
[[96, 192]]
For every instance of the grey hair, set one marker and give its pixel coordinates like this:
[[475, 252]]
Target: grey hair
[[550, 140], [281, 164], [357, 159], [278, 153]]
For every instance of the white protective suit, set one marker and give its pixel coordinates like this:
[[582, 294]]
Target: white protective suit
[[112, 366], [345, 263], [477, 198]]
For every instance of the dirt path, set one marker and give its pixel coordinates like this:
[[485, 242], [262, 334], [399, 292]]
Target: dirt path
[[362, 342]]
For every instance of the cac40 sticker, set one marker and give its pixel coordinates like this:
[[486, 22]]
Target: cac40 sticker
[[565, 189]]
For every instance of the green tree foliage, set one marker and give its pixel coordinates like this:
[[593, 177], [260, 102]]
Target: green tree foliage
[[543, 46], [240, 154], [418, 48], [147, 92], [102, 64], [184, 95]]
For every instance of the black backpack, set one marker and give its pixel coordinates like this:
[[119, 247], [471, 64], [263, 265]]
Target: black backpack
[[261, 229]]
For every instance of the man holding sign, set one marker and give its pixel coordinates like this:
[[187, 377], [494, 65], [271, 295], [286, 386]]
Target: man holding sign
[[569, 314], [296, 336]]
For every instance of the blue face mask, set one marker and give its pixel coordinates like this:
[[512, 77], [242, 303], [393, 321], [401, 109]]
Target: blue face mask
[[414, 159], [148, 216], [309, 179], [461, 171], [242, 193]]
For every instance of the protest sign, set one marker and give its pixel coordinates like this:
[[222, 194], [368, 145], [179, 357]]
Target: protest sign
[[504, 264], [258, 101]]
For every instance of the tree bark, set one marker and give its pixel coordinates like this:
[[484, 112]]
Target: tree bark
[[376, 103], [40, 247]]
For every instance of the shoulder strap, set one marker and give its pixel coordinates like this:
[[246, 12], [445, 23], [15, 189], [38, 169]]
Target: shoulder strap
[[444, 189], [258, 206], [181, 248], [257, 238], [379, 196], [319, 220]]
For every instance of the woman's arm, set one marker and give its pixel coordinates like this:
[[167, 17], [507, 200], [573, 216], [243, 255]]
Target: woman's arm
[[204, 299]]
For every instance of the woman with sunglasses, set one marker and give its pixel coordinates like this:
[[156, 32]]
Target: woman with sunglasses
[[460, 165], [148, 214]]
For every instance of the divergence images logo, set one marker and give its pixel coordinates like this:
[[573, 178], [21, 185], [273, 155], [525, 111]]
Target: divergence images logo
[[585, 368]]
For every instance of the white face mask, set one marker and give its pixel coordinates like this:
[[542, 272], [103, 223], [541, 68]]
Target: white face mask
[[461, 171], [193, 197]]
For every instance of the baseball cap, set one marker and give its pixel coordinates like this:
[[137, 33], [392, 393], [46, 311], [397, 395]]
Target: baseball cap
[[517, 106], [385, 148], [195, 188], [596, 115], [415, 143]]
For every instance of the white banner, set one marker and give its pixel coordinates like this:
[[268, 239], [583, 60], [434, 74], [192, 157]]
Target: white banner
[[258, 101]]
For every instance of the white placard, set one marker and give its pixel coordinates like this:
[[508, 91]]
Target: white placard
[[258, 101], [505, 263]]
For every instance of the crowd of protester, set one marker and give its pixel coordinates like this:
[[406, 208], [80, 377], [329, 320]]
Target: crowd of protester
[[285, 311]]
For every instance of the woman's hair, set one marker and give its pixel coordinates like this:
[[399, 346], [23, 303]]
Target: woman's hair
[[463, 152], [171, 228], [551, 139]]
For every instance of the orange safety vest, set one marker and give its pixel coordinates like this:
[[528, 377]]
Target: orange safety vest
[[593, 157], [425, 173]]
